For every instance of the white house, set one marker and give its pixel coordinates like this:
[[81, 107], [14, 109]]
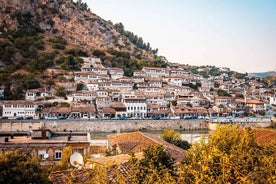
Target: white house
[[116, 73], [272, 100], [84, 95], [35, 94], [19, 108], [135, 107]]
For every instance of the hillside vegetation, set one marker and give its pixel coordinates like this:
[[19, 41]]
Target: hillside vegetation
[[54, 34]]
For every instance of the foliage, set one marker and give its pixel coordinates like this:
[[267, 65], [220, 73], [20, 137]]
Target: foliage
[[98, 53], [194, 70], [79, 86], [60, 91], [155, 167], [216, 84], [223, 93], [17, 167], [69, 63], [138, 41], [240, 75], [82, 5], [194, 86], [30, 82], [58, 46], [76, 52], [64, 163], [174, 138], [231, 155], [214, 71]]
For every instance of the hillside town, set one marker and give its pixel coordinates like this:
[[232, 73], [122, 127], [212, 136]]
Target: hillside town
[[97, 92]]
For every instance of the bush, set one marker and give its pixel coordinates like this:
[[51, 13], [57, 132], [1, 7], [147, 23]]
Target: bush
[[58, 46]]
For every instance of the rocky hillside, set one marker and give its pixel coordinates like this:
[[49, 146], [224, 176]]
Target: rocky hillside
[[42, 34], [62, 18]]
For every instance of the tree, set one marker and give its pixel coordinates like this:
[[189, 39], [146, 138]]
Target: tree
[[174, 138], [155, 167], [223, 93], [79, 86], [18, 167], [60, 91], [64, 164], [30, 82], [230, 155]]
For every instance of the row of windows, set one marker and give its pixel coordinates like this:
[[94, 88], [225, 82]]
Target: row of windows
[[28, 112], [19, 106], [134, 108], [136, 115]]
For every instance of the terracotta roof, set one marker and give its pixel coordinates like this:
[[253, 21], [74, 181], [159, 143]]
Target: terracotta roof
[[56, 110], [108, 110], [137, 141], [132, 138], [254, 102], [19, 102], [111, 160], [79, 176], [118, 105], [87, 108]]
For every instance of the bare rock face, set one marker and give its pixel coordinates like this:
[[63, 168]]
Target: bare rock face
[[62, 18]]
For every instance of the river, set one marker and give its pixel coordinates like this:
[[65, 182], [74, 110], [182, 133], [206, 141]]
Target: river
[[187, 135]]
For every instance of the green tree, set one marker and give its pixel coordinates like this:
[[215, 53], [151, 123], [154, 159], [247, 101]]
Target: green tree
[[18, 167], [155, 167], [64, 163], [223, 93], [230, 155], [30, 82], [79, 86], [174, 138], [60, 91]]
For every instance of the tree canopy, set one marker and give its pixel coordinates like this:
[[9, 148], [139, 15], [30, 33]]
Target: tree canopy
[[231, 155], [17, 167]]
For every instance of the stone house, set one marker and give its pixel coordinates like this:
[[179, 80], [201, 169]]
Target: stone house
[[46, 144]]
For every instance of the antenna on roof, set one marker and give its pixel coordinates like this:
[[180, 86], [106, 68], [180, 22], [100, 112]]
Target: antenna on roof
[[76, 160]]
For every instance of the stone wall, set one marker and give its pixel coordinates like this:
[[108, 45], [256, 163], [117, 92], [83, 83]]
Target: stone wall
[[104, 126]]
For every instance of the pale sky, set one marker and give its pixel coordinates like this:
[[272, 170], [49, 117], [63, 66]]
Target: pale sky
[[239, 34]]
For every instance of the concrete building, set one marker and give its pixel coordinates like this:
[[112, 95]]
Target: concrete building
[[19, 108], [136, 107]]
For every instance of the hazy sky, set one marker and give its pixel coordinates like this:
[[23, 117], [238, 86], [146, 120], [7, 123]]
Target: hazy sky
[[239, 34]]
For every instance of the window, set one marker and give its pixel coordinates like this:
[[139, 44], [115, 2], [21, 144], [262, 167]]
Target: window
[[58, 154], [41, 154]]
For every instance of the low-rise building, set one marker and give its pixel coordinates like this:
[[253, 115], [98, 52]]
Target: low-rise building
[[19, 108], [136, 107], [35, 94], [46, 144]]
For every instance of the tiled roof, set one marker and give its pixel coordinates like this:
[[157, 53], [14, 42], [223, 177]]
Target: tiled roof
[[108, 110], [19, 102], [87, 108], [137, 141], [132, 138], [57, 110], [79, 176]]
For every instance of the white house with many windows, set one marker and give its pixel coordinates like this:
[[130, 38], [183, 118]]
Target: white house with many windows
[[135, 107], [19, 108]]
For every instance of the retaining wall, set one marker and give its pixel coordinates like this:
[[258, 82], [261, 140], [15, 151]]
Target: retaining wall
[[104, 126]]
